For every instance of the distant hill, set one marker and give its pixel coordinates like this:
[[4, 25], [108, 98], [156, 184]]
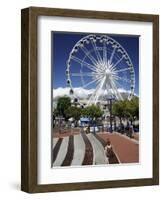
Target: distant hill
[[83, 94]]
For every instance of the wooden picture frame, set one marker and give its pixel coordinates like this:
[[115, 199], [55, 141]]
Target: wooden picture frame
[[29, 87]]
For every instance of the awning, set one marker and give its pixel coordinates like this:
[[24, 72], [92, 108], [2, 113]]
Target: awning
[[84, 119]]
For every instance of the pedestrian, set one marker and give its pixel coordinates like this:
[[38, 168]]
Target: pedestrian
[[108, 150], [131, 131], [85, 129]]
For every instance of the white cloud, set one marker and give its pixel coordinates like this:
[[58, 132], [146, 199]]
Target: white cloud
[[60, 92], [79, 92]]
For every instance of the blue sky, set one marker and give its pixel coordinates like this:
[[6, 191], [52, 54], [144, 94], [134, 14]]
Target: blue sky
[[63, 42]]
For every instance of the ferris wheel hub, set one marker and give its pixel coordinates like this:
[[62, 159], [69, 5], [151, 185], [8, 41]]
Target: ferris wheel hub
[[107, 72]]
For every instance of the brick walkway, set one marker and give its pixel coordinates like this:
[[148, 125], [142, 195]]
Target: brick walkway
[[65, 132], [126, 150]]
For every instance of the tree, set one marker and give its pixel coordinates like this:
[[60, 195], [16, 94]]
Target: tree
[[55, 113], [92, 112], [62, 105], [126, 108], [132, 109], [119, 109], [74, 112], [135, 105]]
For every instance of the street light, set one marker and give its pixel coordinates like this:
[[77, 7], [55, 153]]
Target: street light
[[110, 99]]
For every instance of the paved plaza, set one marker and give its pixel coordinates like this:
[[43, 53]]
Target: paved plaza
[[78, 148]]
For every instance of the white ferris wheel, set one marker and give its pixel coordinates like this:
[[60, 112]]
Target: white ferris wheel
[[98, 63]]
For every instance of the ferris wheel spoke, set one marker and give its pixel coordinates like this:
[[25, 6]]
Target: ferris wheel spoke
[[112, 55], [96, 51], [91, 67], [99, 90], [95, 91], [117, 62], [92, 95], [115, 89], [118, 83], [83, 74], [122, 70], [109, 89], [122, 79], [96, 94], [89, 83], [88, 54], [104, 52]]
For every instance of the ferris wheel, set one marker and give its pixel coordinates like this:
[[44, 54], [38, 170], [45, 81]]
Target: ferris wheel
[[98, 63]]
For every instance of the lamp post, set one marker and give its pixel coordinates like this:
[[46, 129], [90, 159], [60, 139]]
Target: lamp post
[[75, 103], [110, 100]]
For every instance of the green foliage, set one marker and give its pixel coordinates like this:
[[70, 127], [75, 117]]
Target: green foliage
[[63, 104], [74, 112], [135, 107], [126, 108], [92, 111], [55, 112], [132, 109], [119, 108]]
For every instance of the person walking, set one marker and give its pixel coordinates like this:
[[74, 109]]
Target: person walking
[[108, 150]]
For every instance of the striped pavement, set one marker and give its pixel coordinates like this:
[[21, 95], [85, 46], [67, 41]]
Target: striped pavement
[[62, 152], [98, 151], [55, 140], [77, 150]]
